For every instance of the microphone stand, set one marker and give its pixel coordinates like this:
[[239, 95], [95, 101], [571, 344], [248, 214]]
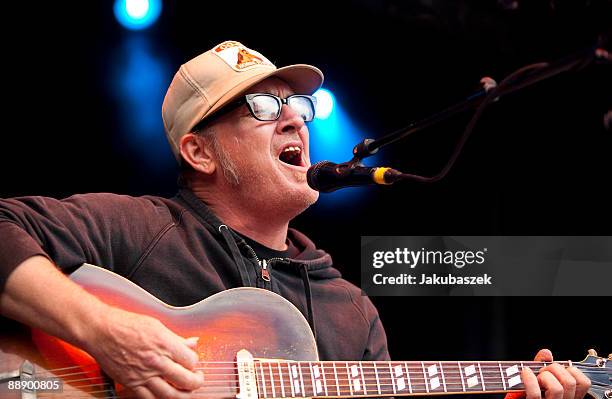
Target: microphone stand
[[523, 77]]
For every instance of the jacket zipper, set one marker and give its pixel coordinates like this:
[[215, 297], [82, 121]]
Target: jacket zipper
[[265, 272]]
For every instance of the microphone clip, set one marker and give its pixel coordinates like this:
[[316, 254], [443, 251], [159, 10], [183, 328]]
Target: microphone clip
[[361, 151]]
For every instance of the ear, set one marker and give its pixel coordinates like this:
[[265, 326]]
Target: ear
[[197, 154]]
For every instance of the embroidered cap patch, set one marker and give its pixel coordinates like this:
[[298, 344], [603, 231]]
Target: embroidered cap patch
[[240, 57]]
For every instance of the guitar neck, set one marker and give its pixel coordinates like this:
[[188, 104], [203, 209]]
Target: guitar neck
[[287, 379]]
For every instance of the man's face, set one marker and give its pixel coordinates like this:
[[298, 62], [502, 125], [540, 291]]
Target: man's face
[[270, 157]]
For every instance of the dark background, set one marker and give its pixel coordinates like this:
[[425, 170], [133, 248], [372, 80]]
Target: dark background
[[538, 163]]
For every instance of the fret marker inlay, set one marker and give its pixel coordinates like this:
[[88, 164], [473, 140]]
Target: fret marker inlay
[[294, 378], [399, 380], [355, 375], [317, 380], [516, 379], [469, 372], [511, 370], [472, 381], [280, 373], [435, 381]]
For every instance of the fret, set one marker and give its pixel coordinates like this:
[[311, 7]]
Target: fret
[[348, 378], [496, 380], [425, 377], [408, 376], [392, 379], [384, 379], [461, 375], [312, 378], [365, 389], [272, 380], [263, 381], [292, 370], [324, 379], [442, 375], [501, 375], [481, 379], [316, 379], [301, 378], [367, 378], [377, 380], [280, 373], [452, 378], [336, 376]]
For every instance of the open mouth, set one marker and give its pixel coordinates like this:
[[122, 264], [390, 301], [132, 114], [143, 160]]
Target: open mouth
[[291, 155]]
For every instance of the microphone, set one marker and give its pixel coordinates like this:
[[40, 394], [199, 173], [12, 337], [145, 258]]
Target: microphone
[[326, 176]]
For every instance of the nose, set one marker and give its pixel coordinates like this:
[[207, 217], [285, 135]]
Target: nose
[[289, 120]]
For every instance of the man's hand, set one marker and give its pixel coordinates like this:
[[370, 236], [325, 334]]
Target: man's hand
[[135, 350], [556, 381], [142, 354]]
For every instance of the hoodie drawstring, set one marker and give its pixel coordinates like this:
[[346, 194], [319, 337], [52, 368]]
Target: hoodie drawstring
[[238, 260], [308, 292]]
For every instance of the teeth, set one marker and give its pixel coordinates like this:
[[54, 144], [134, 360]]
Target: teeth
[[297, 149]]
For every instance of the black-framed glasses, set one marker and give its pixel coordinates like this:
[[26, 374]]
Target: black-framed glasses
[[268, 107]]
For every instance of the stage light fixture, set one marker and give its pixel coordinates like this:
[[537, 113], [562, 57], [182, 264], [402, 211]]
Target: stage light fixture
[[325, 103], [137, 14]]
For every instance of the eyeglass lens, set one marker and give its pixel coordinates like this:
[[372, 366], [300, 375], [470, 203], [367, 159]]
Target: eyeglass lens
[[268, 107]]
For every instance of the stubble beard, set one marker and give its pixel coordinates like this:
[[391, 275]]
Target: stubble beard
[[258, 189]]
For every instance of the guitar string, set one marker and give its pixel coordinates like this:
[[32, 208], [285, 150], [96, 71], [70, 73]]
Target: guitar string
[[487, 363], [383, 374], [343, 389], [233, 391], [450, 373], [225, 393], [346, 388], [342, 365], [450, 379], [207, 391], [451, 382]]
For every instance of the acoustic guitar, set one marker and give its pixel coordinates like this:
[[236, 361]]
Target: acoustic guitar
[[253, 344]]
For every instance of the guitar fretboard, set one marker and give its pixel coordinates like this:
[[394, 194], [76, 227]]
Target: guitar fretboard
[[299, 379]]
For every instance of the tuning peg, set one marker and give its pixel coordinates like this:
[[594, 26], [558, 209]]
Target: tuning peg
[[592, 352]]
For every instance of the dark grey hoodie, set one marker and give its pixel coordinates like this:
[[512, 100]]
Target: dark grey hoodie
[[180, 252]]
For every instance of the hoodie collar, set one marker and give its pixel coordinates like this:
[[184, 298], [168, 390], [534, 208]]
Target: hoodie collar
[[315, 259]]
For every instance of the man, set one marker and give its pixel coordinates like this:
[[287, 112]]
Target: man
[[237, 126]]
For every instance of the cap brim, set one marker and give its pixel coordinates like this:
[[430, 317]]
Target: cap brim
[[302, 78]]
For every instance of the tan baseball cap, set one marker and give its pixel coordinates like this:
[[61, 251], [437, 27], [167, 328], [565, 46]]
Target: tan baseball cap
[[207, 82]]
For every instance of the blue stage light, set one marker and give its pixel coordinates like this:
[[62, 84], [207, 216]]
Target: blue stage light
[[140, 77], [325, 103], [333, 139], [137, 14]]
